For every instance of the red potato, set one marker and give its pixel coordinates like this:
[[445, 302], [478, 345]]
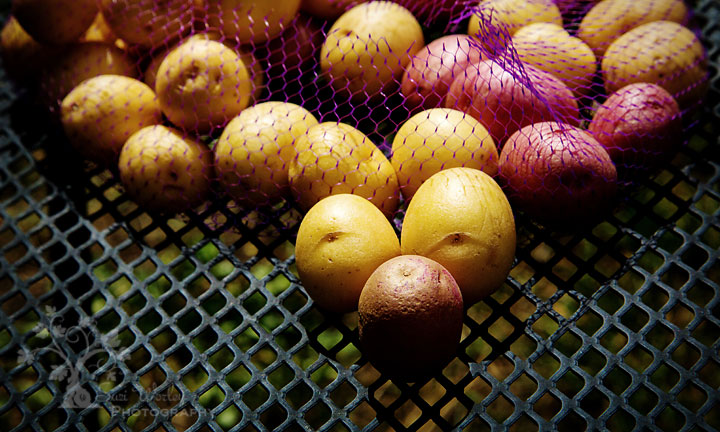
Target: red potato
[[639, 125], [410, 317], [507, 99], [557, 173], [431, 71]]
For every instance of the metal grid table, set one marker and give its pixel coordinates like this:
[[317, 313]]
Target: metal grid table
[[114, 320]]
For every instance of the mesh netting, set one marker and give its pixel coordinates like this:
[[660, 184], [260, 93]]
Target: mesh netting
[[159, 157]]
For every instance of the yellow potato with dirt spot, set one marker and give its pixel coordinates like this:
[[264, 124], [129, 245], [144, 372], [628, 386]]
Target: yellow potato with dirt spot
[[663, 53], [610, 19], [437, 139], [253, 154], [164, 170], [340, 243], [493, 21], [101, 113], [368, 47], [550, 48], [254, 67], [461, 219], [202, 84], [335, 158]]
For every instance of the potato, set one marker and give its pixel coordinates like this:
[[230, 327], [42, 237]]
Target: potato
[[427, 78], [502, 100], [253, 154], [550, 48], [79, 62], [251, 21], [158, 54], [495, 21], [334, 158], [151, 23], [23, 58], [610, 19], [367, 49], [165, 171], [340, 242], [660, 52], [639, 126], [410, 317], [438, 139], [54, 22], [101, 113], [254, 66], [202, 84], [558, 174], [461, 218]]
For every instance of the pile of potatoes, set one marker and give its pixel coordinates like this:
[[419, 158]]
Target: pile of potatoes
[[554, 107], [528, 109]]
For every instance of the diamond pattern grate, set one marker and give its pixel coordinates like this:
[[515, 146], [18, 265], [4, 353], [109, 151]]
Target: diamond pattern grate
[[114, 320]]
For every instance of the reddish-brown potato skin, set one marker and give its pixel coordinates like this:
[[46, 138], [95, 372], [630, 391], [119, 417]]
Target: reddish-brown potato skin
[[410, 317], [558, 174], [431, 71], [639, 126], [506, 100]]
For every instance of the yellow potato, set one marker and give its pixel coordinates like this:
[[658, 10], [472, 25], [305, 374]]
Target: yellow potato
[[255, 69], [251, 21], [202, 84], [253, 154], [165, 171], [461, 218], [55, 22], [340, 243], [150, 23], [151, 70], [609, 19], [495, 20], [80, 62], [334, 158], [101, 113], [437, 139], [23, 57], [550, 48], [369, 46], [663, 53]]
